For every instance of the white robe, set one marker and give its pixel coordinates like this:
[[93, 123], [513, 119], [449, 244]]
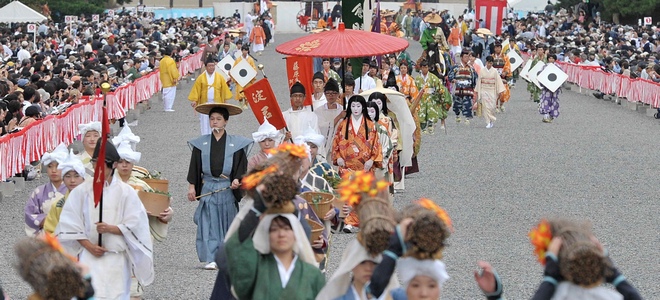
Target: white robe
[[111, 273], [326, 120], [299, 120]]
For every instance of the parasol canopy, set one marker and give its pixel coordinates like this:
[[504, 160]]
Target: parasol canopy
[[397, 104], [344, 43]]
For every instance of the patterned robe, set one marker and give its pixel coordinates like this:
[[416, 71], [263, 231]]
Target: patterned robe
[[435, 102], [503, 65], [385, 127], [465, 79], [549, 102], [37, 207], [357, 149], [406, 85], [535, 91]]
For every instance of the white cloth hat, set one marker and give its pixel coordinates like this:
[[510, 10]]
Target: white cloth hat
[[354, 254], [302, 247], [126, 135], [310, 135], [92, 126], [126, 153], [266, 131], [410, 267], [72, 163], [58, 155]]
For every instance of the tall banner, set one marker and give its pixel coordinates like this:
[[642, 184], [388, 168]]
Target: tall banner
[[352, 13], [300, 69], [263, 103]]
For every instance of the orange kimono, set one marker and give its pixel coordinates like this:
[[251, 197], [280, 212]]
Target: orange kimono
[[503, 65], [257, 36], [355, 151]]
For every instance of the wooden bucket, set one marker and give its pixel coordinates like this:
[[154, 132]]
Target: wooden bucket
[[160, 185], [153, 202], [320, 203], [317, 230]]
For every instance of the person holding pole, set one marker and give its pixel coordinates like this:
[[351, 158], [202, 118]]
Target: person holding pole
[[126, 241]]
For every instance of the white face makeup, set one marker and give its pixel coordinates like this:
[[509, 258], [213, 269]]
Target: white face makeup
[[379, 103], [356, 108], [372, 113]]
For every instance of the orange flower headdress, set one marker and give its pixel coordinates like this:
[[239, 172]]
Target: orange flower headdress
[[439, 211], [540, 237], [296, 150], [252, 180], [354, 185]]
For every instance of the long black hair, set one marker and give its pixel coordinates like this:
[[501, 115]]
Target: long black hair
[[382, 98], [375, 106], [349, 112]]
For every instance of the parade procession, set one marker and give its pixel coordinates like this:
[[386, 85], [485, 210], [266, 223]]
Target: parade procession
[[376, 150]]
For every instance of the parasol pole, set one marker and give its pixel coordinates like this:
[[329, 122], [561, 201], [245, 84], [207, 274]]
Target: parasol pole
[[343, 83]]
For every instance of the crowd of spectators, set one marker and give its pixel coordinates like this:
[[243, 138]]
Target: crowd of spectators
[[69, 61]]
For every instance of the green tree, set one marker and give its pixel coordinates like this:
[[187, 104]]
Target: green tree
[[630, 8]]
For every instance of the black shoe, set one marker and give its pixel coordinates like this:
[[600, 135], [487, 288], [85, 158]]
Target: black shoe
[[598, 95]]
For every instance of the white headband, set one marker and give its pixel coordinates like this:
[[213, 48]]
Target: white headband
[[72, 163], [410, 268], [266, 131], [126, 135], [92, 126], [126, 153], [58, 155]]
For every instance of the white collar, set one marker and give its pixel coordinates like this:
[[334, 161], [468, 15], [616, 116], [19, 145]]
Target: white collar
[[285, 274], [356, 128]]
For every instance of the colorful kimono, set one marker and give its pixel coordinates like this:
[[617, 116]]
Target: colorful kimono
[[434, 35], [489, 86], [331, 74], [535, 91], [255, 276], [464, 78], [406, 85], [385, 128], [503, 65], [357, 149], [53, 216], [435, 102], [239, 89], [87, 162], [549, 104], [214, 164], [37, 207], [202, 90]]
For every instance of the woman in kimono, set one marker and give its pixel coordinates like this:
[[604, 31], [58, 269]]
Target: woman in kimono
[[534, 91], [315, 179], [90, 134], [43, 197], [267, 137], [269, 257], [73, 174], [356, 147], [488, 89], [351, 277], [385, 129], [258, 38], [435, 102], [217, 164], [405, 82], [549, 106]]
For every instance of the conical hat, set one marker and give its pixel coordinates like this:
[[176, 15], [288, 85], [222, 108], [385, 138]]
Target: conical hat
[[433, 18], [206, 108]]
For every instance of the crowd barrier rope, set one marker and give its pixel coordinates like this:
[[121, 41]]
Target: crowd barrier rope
[[29, 144]]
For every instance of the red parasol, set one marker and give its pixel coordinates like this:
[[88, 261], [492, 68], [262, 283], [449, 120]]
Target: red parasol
[[344, 43]]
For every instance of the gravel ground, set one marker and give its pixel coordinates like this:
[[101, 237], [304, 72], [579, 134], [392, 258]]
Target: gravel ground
[[595, 162]]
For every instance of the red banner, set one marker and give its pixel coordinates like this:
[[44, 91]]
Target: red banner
[[264, 104], [301, 69]]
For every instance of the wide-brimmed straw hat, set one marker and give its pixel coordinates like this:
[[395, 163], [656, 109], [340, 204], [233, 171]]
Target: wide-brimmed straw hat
[[206, 108], [433, 18]]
